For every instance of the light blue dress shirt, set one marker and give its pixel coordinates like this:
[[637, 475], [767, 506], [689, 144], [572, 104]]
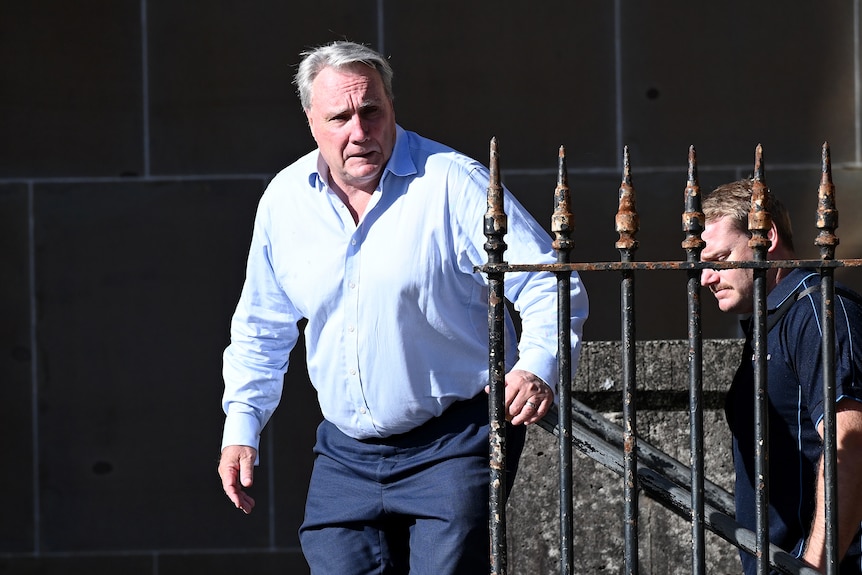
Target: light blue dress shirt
[[397, 317]]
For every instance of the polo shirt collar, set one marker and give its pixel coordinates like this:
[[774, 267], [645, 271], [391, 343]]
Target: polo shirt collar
[[788, 286]]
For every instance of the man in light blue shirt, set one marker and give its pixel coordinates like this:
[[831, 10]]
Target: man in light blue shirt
[[373, 238]]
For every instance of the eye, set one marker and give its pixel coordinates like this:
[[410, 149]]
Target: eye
[[370, 112], [715, 258]]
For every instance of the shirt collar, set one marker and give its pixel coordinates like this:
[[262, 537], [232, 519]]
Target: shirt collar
[[788, 286], [320, 175], [399, 164]]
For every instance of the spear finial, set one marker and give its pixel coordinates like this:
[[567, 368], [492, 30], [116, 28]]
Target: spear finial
[[627, 220], [827, 213]]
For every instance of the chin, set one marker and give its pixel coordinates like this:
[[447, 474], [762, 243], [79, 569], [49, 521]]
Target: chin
[[728, 306], [366, 173], [737, 309]]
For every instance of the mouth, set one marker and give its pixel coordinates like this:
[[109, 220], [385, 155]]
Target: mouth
[[362, 155]]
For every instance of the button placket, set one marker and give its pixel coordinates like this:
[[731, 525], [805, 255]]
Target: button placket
[[351, 317]]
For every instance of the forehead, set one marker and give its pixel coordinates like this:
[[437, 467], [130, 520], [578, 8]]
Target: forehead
[[337, 86], [722, 236]]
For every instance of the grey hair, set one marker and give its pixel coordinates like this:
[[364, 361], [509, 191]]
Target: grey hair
[[339, 54]]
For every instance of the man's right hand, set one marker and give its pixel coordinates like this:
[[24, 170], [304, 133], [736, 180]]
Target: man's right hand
[[236, 469]]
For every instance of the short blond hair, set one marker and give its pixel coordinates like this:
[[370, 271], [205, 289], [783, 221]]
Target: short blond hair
[[733, 200]]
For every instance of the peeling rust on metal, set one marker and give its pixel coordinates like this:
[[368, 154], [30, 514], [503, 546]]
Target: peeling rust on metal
[[562, 220], [667, 265], [496, 223], [827, 214], [759, 219], [693, 220], [627, 219]]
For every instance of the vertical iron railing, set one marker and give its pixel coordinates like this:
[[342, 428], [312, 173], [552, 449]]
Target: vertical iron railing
[[693, 222], [827, 221], [495, 226], [627, 225], [759, 225], [562, 224], [643, 467]]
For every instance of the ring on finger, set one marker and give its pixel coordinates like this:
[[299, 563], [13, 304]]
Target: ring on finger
[[533, 405]]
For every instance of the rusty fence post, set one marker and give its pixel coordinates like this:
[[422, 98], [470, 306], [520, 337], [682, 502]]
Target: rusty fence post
[[562, 224], [827, 222], [627, 224], [495, 226], [693, 222], [759, 224]]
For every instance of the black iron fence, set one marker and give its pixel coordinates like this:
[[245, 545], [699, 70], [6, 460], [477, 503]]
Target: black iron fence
[[642, 467]]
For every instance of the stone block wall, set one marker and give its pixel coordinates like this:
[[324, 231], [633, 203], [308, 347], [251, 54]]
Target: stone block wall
[[663, 421]]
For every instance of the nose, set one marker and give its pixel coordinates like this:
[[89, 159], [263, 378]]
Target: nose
[[359, 131], [709, 277]]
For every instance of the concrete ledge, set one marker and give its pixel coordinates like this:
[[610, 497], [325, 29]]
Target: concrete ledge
[[662, 374]]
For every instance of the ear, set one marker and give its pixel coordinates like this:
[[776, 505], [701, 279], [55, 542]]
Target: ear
[[310, 120], [774, 239]]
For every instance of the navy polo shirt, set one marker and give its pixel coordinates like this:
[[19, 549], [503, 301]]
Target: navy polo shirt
[[795, 391]]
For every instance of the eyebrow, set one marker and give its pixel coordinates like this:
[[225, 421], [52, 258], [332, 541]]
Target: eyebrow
[[371, 103], [364, 105], [707, 254]]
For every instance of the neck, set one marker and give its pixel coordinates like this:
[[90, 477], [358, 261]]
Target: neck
[[356, 199], [781, 273]]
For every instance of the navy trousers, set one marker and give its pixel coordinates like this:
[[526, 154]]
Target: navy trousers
[[413, 503]]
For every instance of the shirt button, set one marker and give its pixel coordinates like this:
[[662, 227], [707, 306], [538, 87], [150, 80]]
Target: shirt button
[[352, 371], [350, 329], [363, 411], [352, 242], [352, 285]]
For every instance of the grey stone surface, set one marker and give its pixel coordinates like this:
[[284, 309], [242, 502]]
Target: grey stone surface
[[664, 538]]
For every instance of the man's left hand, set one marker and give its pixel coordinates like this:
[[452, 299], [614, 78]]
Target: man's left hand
[[528, 398]]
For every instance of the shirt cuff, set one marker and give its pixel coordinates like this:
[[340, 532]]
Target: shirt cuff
[[241, 429], [540, 365]]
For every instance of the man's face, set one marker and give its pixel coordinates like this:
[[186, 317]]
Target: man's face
[[732, 288], [353, 122]]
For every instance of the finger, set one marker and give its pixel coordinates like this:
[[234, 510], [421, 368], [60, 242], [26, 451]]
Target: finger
[[525, 412], [543, 408], [242, 501], [230, 485], [532, 410], [246, 471], [525, 398], [235, 469], [228, 474], [507, 402], [246, 502], [239, 498]]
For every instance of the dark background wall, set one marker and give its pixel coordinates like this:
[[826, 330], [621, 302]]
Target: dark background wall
[[136, 137]]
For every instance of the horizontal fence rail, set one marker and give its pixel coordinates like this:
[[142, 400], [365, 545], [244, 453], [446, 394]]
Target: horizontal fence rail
[[642, 467]]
